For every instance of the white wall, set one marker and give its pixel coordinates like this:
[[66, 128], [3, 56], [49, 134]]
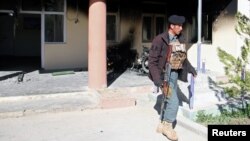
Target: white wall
[[244, 8], [74, 52], [223, 36]]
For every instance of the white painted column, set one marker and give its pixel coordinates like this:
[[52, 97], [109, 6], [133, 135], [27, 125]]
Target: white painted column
[[199, 15], [97, 70]]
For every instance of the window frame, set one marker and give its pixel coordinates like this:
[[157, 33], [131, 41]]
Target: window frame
[[43, 13], [116, 27], [206, 31], [164, 24], [153, 25], [63, 13]]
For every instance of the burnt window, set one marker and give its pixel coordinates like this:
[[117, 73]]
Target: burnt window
[[152, 25], [111, 33]]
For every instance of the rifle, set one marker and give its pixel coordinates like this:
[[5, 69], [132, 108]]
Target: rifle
[[166, 89]]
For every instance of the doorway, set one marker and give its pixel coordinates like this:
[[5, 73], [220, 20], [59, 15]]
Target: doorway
[[20, 42]]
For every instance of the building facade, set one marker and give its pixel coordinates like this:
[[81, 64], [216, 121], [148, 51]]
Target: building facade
[[70, 34]]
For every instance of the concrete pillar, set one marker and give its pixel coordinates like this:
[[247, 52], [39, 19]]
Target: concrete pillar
[[97, 70]]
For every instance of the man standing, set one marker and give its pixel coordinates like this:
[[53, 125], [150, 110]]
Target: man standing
[[168, 55]]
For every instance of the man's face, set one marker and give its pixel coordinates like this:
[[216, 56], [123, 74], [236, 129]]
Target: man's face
[[176, 29]]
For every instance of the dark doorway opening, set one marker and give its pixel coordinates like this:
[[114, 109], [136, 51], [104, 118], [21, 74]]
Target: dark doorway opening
[[20, 42], [19, 63]]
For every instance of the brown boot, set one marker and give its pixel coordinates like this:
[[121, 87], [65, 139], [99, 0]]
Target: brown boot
[[166, 129], [159, 127]]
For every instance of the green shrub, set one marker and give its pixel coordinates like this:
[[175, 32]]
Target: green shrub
[[227, 116], [232, 91], [234, 66]]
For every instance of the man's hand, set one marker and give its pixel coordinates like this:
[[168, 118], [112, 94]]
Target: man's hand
[[194, 75]]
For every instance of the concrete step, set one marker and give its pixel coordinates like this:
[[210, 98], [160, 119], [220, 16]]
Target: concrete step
[[208, 95], [106, 98], [25, 105]]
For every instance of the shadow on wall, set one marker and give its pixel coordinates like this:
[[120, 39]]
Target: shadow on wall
[[120, 56]]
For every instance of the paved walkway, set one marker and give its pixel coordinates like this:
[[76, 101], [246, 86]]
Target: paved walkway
[[55, 95], [37, 83], [121, 124]]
